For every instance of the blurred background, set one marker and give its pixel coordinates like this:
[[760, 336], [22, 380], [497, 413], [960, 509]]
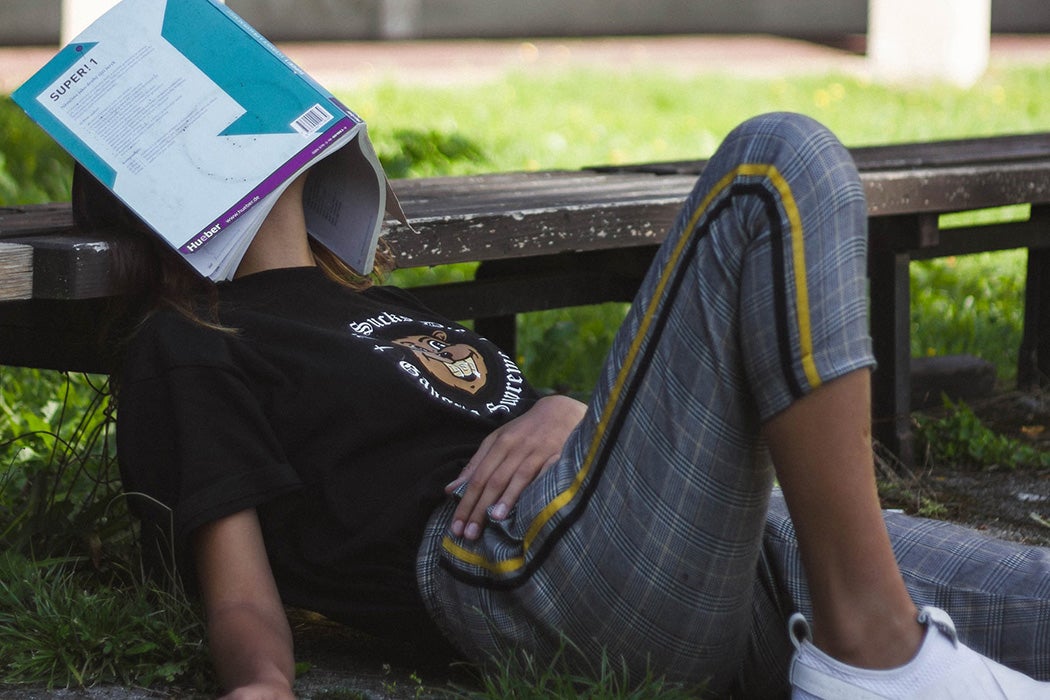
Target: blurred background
[[39, 21]]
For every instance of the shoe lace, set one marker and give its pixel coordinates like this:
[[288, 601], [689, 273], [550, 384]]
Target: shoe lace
[[939, 619]]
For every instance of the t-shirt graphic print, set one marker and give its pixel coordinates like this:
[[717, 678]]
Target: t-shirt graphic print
[[449, 363], [457, 365]]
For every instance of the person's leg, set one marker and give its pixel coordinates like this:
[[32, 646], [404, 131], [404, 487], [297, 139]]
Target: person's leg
[[643, 540], [997, 592], [822, 452]]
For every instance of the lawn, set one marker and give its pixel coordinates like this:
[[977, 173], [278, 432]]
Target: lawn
[[61, 515], [585, 118]]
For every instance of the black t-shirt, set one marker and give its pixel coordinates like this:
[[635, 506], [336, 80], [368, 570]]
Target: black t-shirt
[[339, 415]]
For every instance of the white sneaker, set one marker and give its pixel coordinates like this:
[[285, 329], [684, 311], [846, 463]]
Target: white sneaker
[[943, 669]]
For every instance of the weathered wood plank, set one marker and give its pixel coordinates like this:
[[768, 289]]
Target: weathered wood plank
[[16, 271], [510, 215], [971, 151], [896, 156], [562, 238], [36, 218], [70, 266], [524, 214], [958, 188]]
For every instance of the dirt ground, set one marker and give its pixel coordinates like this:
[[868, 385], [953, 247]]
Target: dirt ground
[[1013, 504]]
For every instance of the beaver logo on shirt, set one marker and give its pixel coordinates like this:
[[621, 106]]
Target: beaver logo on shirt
[[454, 364]]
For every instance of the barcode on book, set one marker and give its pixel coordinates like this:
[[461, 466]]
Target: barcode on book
[[312, 120]]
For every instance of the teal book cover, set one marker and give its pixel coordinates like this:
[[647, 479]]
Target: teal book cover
[[197, 123]]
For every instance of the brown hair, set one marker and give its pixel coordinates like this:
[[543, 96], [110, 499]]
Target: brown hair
[[151, 276]]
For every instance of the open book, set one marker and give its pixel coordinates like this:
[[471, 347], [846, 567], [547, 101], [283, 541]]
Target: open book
[[197, 123]]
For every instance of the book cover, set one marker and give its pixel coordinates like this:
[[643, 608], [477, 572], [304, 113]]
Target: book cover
[[197, 123]]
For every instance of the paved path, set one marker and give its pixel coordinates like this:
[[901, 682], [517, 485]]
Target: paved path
[[344, 65]]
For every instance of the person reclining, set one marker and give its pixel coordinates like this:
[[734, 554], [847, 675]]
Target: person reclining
[[328, 443]]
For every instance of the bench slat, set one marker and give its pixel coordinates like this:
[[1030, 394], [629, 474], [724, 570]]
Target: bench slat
[[16, 271], [36, 218], [921, 154], [525, 214]]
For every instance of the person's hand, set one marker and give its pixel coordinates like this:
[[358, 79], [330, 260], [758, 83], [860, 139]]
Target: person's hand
[[260, 691], [509, 459]]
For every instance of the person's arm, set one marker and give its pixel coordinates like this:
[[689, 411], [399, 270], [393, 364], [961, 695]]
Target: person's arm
[[248, 632], [510, 458]]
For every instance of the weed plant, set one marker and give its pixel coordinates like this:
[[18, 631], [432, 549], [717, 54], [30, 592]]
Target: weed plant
[[57, 483], [960, 438], [73, 608]]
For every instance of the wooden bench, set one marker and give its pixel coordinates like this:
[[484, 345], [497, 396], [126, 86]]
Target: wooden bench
[[565, 238]]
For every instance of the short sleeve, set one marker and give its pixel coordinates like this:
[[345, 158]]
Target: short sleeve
[[193, 437]]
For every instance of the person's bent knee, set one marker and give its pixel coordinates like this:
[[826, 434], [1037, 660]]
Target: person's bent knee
[[790, 126], [789, 139]]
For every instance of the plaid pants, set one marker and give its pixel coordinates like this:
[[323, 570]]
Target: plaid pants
[[653, 539]]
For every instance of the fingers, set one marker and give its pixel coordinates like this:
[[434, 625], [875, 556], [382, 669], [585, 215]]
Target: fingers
[[471, 467], [495, 478], [508, 460]]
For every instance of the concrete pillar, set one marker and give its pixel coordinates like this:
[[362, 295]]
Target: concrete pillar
[[399, 19], [929, 39], [78, 14]]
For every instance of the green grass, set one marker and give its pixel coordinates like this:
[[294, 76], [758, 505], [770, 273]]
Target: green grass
[[33, 168], [970, 304], [60, 628], [581, 118], [74, 607], [58, 478], [523, 677], [584, 118], [61, 518]]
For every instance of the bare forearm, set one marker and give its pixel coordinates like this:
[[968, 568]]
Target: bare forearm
[[251, 643], [251, 647]]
